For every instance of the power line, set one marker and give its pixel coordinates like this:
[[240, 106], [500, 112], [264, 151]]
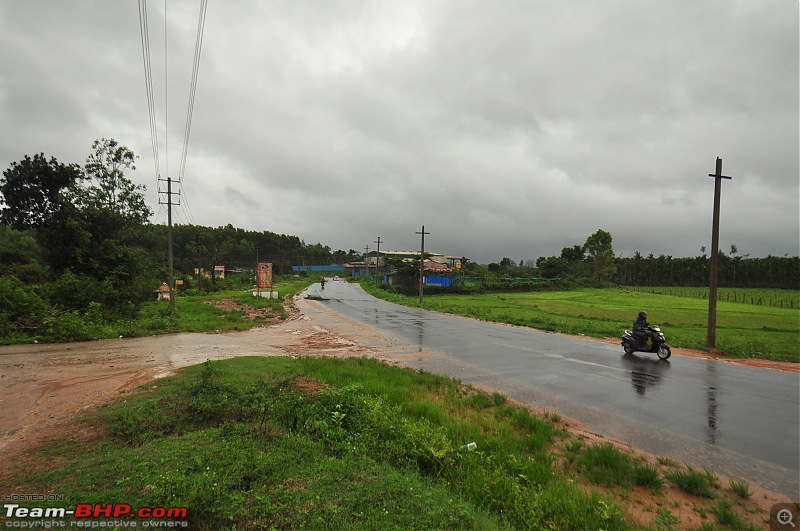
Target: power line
[[151, 107], [166, 95], [193, 85], [148, 81]]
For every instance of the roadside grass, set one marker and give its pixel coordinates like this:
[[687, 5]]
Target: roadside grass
[[212, 313], [198, 313], [327, 443], [743, 330]]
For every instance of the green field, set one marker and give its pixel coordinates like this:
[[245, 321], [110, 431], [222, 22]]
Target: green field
[[743, 330], [325, 443]]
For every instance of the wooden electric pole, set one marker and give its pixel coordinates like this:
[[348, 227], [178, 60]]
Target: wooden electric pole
[[421, 262], [711, 338]]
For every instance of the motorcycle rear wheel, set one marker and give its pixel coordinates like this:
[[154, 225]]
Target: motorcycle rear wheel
[[627, 348], [664, 352]]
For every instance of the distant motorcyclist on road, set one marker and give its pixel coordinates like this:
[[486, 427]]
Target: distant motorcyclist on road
[[322, 282], [641, 328]]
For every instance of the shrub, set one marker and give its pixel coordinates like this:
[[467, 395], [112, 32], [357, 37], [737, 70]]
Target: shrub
[[21, 308], [74, 325]]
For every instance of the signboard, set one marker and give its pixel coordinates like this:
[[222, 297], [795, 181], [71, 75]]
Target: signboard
[[264, 276]]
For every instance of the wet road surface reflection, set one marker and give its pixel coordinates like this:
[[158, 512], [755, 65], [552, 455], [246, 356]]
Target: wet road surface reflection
[[742, 421]]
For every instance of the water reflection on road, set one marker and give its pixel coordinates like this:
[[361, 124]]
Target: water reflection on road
[[742, 421]]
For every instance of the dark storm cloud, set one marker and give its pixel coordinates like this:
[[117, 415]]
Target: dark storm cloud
[[506, 128]]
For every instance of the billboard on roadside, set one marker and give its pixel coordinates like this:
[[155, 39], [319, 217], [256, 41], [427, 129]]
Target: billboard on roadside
[[264, 275]]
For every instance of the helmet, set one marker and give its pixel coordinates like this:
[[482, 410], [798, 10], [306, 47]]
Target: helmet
[[642, 315]]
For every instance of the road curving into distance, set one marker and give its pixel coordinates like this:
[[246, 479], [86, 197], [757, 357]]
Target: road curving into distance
[[740, 421]]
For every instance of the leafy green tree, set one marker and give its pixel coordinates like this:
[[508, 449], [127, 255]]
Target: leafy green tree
[[552, 267], [600, 255], [507, 263], [32, 190], [20, 255], [111, 190], [573, 254]]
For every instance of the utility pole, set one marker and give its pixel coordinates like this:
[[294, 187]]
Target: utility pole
[[421, 262], [366, 258], [711, 338], [377, 258], [169, 204]]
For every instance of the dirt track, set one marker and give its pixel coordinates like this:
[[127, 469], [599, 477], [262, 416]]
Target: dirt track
[[45, 385]]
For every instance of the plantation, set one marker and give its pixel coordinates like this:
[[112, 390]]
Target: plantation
[[322, 443]]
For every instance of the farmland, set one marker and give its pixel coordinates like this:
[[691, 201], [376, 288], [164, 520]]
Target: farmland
[[744, 330]]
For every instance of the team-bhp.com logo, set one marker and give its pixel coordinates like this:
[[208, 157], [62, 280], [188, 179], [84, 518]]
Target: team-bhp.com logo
[[94, 515]]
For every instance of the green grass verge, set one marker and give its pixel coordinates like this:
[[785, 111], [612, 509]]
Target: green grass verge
[[216, 312], [325, 443], [280, 443], [743, 330]]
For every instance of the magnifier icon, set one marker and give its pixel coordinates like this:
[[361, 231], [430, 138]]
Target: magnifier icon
[[785, 517]]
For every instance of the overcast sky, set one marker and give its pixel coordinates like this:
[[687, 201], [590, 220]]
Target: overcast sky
[[507, 128]]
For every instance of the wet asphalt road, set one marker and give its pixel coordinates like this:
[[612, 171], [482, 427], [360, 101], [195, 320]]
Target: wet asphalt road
[[741, 421]]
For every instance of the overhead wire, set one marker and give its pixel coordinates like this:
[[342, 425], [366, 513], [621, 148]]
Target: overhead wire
[[151, 107], [148, 81], [198, 47], [193, 85], [166, 95]]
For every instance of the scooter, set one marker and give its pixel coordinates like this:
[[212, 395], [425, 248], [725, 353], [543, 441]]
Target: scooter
[[631, 343]]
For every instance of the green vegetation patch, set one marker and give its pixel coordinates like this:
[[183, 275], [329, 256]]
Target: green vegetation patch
[[326, 444]]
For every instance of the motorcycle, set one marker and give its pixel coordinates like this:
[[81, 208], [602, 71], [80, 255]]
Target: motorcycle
[[631, 343]]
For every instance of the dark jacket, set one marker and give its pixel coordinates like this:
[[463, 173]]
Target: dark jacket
[[640, 325]]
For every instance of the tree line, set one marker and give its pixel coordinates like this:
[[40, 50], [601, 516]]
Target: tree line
[[76, 243], [595, 260]]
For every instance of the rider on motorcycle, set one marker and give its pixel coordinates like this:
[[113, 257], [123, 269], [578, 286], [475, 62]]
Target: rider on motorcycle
[[641, 328]]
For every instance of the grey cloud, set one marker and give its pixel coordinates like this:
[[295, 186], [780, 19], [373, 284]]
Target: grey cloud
[[506, 128]]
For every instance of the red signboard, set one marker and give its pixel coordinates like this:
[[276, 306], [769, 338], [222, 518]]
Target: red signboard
[[264, 276]]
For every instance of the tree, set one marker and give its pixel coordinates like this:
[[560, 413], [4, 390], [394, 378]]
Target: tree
[[552, 267], [111, 190], [19, 255], [572, 254], [32, 190], [507, 263], [600, 254]]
